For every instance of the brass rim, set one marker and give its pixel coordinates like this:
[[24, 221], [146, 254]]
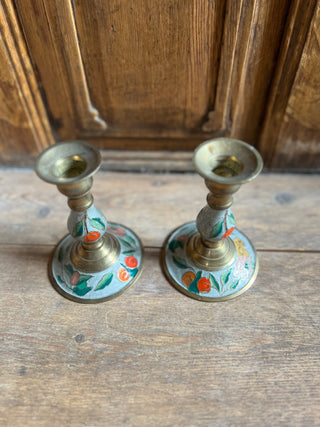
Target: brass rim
[[68, 162], [234, 159]]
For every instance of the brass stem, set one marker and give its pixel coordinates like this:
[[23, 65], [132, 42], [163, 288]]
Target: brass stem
[[207, 252]]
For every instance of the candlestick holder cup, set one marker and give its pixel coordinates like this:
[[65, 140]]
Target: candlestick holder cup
[[97, 260], [209, 259]]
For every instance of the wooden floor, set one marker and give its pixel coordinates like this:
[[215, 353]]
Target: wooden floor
[[154, 357]]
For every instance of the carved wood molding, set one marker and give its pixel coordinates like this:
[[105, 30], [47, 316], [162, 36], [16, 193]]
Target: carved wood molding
[[293, 42], [52, 38], [19, 70], [88, 116], [219, 117], [248, 56]]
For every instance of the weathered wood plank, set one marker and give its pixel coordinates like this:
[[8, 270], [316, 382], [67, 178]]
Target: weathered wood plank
[[24, 124], [290, 134], [299, 135], [276, 211], [156, 357]]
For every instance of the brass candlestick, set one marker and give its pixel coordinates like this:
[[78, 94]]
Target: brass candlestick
[[97, 261], [210, 259]]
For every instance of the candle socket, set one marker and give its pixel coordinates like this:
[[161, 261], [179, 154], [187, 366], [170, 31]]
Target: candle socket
[[209, 259], [97, 260]]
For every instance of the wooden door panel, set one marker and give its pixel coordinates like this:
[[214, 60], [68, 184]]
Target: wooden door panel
[[50, 31], [300, 128], [251, 38], [24, 125], [291, 134], [140, 74], [149, 64], [143, 67], [143, 70]]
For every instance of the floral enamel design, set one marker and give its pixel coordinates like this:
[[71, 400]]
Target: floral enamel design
[[79, 283], [221, 227], [203, 282], [81, 228]]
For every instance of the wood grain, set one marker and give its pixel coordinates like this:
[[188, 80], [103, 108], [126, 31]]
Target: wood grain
[[278, 212], [290, 135], [258, 46], [248, 57], [162, 75], [300, 128], [24, 125], [156, 357], [135, 57]]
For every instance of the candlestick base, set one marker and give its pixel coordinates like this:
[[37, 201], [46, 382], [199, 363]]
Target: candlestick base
[[93, 287], [208, 284]]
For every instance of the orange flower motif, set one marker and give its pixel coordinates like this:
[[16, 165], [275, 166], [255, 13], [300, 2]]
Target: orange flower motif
[[123, 275], [92, 237], [204, 285], [227, 233], [131, 261], [188, 278]]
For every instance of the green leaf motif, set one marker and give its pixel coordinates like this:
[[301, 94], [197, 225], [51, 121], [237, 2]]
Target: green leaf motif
[[82, 285], [133, 271], [97, 223], [179, 262], [83, 279], [214, 282], [131, 239], [105, 281], [231, 219], [125, 242], [225, 277], [193, 287], [69, 269], [234, 284], [81, 292], [217, 229], [78, 229], [130, 251], [174, 244]]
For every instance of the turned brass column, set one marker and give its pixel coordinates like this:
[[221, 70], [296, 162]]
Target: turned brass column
[[209, 259], [97, 260]]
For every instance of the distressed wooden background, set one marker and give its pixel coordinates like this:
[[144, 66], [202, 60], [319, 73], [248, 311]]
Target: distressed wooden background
[[162, 75], [154, 357]]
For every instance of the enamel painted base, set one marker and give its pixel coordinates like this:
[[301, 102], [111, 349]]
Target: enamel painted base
[[104, 285], [209, 285]]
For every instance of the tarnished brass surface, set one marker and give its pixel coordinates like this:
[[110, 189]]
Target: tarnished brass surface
[[215, 255], [68, 162], [96, 256], [225, 163], [70, 165], [96, 261], [210, 256]]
